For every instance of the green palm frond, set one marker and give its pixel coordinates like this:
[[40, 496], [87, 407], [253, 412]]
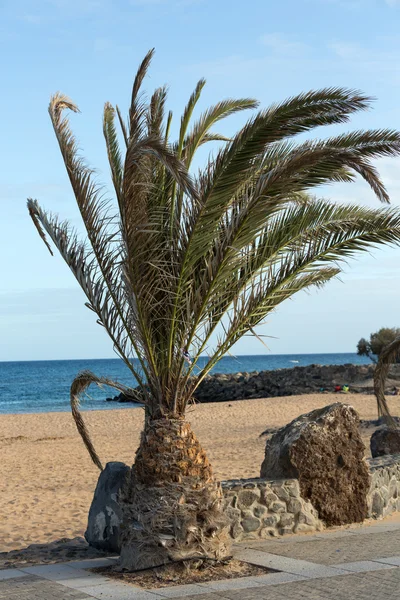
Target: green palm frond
[[178, 260]]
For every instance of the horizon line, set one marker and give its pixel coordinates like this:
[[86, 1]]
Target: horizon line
[[201, 356]]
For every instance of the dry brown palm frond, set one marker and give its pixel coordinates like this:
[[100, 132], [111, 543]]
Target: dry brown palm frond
[[78, 388], [387, 357]]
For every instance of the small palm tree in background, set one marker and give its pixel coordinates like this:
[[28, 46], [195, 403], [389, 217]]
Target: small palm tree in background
[[179, 260], [388, 356]]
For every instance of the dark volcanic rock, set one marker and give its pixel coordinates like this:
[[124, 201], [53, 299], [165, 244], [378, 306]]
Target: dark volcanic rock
[[223, 387], [324, 451], [385, 441], [105, 512]]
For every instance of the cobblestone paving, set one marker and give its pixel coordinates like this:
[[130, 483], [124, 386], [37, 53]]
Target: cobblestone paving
[[349, 548], [379, 585], [31, 587]]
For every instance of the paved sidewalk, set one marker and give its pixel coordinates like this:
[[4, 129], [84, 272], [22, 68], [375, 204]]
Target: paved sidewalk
[[354, 564]]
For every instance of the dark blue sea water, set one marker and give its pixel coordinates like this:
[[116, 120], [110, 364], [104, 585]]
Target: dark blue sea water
[[43, 386]]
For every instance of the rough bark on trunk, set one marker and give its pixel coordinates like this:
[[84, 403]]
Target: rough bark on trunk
[[172, 505]]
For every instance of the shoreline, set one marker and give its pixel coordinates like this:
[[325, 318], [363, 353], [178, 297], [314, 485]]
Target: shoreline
[[47, 479], [27, 387]]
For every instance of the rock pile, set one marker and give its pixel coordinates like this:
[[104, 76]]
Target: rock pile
[[223, 387]]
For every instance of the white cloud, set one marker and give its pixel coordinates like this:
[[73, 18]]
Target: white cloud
[[348, 50], [281, 44], [393, 2]]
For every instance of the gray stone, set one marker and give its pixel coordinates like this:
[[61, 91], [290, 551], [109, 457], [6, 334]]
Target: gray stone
[[393, 488], [281, 492], [286, 530], [234, 514], [293, 488], [271, 521], [236, 530], [260, 511], [385, 494], [385, 441], [278, 507], [234, 501], [247, 498], [286, 520], [267, 532], [377, 504], [250, 524], [269, 498], [105, 513], [306, 518], [294, 505]]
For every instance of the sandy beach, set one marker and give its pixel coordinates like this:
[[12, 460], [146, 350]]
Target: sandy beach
[[47, 478]]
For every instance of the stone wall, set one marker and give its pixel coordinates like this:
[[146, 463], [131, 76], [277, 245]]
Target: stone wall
[[259, 508], [384, 494]]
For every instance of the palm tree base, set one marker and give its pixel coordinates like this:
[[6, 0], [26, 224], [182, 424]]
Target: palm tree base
[[172, 505]]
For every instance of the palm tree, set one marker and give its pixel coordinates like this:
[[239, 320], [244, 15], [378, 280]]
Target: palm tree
[[179, 260], [388, 356]]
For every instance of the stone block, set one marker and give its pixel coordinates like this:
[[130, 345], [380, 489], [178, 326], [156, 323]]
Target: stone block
[[294, 505], [236, 530], [247, 498], [267, 532], [385, 494], [270, 521], [281, 492], [393, 487], [269, 497], [260, 511], [293, 488], [278, 507], [286, 530], [377, 504], [250, 524], [286, 520], [306, 518]]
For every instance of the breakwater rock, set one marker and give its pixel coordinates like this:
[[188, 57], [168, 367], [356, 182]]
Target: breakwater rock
[[223, 387]]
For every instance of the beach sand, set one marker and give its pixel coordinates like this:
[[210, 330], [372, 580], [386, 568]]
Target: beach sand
[[47, 479]]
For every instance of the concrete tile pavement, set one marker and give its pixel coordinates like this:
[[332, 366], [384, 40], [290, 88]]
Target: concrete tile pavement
[[360, 564]]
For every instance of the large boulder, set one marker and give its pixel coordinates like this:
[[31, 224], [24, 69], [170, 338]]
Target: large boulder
[[324, 451], [385, 441], [105, 513]]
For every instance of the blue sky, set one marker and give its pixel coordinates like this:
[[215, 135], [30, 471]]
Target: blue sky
[[89, 49]]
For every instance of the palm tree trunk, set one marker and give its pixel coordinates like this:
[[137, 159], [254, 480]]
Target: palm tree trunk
[[172, 506]]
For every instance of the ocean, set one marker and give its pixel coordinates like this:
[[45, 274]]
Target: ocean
[[43, 386]]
